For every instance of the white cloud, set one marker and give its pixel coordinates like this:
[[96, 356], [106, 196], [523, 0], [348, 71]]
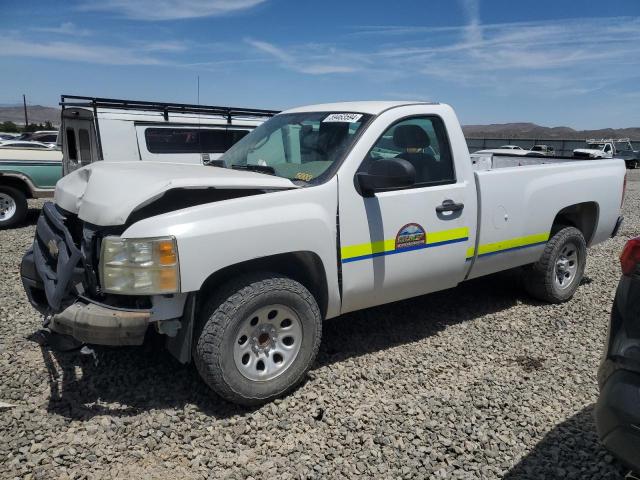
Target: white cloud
[[472, 12], [169, 9], [66, 28], [167, 46], [575, 56], [70, 51], [310, 59], [568, 57]]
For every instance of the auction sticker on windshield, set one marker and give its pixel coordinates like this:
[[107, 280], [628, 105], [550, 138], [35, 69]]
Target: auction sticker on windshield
[[343, 117]]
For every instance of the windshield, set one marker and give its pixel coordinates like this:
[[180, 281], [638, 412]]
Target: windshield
[[297, 146], [595, 146]]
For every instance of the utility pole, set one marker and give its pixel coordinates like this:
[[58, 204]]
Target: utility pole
[[26, 118]]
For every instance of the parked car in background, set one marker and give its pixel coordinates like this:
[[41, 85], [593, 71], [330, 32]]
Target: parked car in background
[[506, 151], [116, 130], [50, 137], [8, 136], [544, 149], [25, 144], [610, 148], [511, 147], [25, 173], [595, 149], [625, 151], [37, 135], [618, 410], [320, 211]]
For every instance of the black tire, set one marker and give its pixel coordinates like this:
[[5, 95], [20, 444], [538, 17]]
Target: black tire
[[632, 164], [227, 311], [19, 212], [540, 278]]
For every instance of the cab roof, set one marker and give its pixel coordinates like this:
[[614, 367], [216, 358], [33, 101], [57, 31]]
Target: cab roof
[[371, 107]]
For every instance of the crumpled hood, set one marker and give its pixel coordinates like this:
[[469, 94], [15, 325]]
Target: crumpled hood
[[106, 193]]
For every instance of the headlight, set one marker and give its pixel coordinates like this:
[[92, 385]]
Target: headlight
[[139, 266]]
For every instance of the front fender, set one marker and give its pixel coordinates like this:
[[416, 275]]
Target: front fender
[[215, 236]]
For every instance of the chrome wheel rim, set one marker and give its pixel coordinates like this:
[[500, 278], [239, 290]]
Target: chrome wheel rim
[[267, 342], [566, 266], [7, 207]]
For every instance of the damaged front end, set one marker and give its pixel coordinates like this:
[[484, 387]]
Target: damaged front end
[[59, 275]]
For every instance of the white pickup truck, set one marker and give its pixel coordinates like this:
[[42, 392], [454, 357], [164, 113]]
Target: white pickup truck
[[608, 148], [319, 211]]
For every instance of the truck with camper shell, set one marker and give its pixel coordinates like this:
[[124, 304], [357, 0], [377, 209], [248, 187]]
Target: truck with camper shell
[[610, 148], [319, 211], [94, 129]]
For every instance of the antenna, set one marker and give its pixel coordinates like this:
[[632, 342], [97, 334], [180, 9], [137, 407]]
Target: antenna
[[24, 104], [204, 159]]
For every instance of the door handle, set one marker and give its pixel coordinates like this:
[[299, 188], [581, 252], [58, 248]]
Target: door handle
[[449, 206]]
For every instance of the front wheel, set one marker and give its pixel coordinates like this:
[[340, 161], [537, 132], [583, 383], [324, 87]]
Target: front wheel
[[259, 337], [13, 206], [556, 276]]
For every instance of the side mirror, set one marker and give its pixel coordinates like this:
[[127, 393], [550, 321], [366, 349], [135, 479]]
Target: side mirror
[[385, 174]]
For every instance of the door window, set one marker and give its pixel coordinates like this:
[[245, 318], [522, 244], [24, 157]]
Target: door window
[[85, 146], [423, 142], [71, 145]]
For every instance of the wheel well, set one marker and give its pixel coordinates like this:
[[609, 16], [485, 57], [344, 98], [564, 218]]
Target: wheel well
[[304, 267], [583, 216], [16, 183]]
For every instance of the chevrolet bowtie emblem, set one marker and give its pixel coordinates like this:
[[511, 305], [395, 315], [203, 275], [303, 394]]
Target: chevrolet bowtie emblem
[[53, 248]]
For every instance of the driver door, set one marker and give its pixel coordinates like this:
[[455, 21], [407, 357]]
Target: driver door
[[401, 243]]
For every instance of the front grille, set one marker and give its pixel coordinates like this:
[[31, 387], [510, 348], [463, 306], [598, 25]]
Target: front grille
[[57, 256]]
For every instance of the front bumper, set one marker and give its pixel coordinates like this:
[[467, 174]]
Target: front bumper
[[85, 321], [101, 325], [617, 416], [54, 273]]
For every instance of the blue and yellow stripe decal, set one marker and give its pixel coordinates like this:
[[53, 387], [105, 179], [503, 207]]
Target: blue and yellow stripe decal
[[364, 251], [509, 245]]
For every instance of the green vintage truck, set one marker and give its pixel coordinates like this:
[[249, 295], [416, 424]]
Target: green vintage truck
[[25, 173]]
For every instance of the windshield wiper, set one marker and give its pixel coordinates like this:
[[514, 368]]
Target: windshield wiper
[[255, 168]]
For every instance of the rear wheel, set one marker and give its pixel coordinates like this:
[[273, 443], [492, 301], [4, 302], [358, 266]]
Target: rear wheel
[[13, 206], [556, 276], [259, 337]]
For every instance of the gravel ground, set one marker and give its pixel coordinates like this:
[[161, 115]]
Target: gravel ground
[[474, 382]]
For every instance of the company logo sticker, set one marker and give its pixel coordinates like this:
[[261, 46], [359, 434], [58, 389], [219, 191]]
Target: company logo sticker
[[411, 235]]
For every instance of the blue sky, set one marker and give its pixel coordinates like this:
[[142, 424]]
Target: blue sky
[[551, 62]]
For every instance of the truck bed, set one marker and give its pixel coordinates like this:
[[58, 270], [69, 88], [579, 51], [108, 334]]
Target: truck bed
[[519, 198], [491, 161]]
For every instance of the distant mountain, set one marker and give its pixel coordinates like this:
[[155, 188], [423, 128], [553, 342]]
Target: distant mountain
[[533, 131], [36, 114], [40, 114]]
